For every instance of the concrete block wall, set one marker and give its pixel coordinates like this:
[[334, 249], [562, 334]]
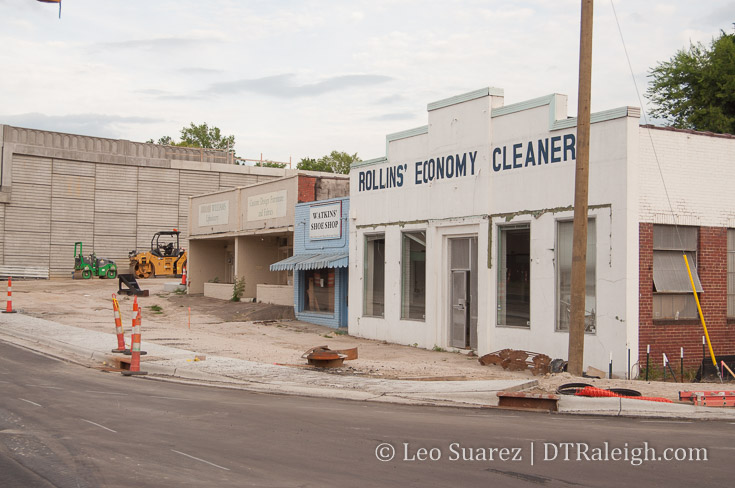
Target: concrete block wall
[[275, 294], [669, 336], [110, 194]]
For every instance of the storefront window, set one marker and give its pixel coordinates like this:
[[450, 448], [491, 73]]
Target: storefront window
[[374, 292], [564, 276], [514, 273], [672, 297], [319, 290], [413, 275]]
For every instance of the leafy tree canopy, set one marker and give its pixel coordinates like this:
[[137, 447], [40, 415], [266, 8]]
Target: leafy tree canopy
[[200, 136], [270, 164], [695, 89], [334, 162]]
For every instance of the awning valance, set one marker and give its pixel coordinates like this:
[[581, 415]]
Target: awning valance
[[312, 261]]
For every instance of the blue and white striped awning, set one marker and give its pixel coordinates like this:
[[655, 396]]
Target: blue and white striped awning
[[312, 261]]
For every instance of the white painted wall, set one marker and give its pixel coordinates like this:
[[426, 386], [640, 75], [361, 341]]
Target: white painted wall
[[699, 171], [477, 203]]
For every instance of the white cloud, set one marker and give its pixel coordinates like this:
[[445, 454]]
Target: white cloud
[[303, 78]]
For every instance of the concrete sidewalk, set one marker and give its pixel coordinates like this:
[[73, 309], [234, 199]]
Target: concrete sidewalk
[[91, 347]]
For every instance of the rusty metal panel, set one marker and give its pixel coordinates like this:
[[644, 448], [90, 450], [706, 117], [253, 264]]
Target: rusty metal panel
[[528, 401]]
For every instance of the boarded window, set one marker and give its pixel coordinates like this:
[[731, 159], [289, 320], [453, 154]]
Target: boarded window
[[731, 272], [673, 298]]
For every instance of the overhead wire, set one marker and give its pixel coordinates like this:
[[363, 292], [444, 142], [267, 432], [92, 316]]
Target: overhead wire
[[645, 119], [661, 174]]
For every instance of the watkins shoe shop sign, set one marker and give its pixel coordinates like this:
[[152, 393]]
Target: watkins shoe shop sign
[[325, 221]]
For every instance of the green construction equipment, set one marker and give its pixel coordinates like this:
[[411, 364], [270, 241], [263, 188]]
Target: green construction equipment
[[92, 265]]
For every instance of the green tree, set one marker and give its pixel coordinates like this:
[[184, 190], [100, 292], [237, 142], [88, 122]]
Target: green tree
[[200, 136], [334, 162], [695, 89], [311, 164], [270, 164], [165, 140], [204, 136]]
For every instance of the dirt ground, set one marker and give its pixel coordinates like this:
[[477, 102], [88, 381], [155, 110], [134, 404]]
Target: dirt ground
[[243, 331]]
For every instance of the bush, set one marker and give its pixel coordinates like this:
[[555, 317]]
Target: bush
[[238, 288]]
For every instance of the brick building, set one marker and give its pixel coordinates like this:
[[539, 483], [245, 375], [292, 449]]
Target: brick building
[[699, 172]]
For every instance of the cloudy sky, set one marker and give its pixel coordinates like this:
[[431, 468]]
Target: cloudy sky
[[294, 79]]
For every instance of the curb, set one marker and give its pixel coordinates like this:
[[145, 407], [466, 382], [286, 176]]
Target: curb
[[483, 398]]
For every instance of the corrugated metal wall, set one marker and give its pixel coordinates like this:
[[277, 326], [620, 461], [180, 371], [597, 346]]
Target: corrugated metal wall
[[111, 208], [28, 215]]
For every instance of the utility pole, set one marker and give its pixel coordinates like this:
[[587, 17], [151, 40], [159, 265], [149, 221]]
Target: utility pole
[[581, 189]]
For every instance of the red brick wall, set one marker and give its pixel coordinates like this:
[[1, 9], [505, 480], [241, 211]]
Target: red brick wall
[[307, 188], [668, 337]]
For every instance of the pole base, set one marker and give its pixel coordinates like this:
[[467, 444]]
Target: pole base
[[128, 352], [121, 351], [134, 373], [10, 311]]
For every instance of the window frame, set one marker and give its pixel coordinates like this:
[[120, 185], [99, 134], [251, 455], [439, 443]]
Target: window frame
[[368, 238], [670, 241], [406, 268], [332, 299], [590, 315], [501, 251], [730, 297]]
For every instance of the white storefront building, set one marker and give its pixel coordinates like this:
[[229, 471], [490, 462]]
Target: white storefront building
[[461, 234]]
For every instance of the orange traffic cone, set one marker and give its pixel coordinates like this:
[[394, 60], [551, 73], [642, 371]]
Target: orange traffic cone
[[136, 316], [135, 348], [183, 277], [9, 307], [118, 327]]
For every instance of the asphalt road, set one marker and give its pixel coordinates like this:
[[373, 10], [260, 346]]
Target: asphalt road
[[64, 425]]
